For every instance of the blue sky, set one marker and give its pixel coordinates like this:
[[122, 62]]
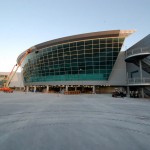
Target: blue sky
[[25, 23]]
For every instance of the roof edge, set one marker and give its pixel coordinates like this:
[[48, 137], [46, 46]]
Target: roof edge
[[100, 34]]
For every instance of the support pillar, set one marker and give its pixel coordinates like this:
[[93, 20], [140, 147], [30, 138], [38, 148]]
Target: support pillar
[[141, 78], [141, 75], [47, 88], [128, 91], [142, 92], [75, 88], [27, 90], [93, 89], [66, 88], [34, 89], [82, 88]]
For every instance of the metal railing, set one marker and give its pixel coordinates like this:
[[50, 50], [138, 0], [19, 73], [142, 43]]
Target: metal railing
[[147, 61], [147, 91], [131, 52], [143, 81]]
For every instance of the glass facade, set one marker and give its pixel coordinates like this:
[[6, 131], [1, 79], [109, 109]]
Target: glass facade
[[74, 61]]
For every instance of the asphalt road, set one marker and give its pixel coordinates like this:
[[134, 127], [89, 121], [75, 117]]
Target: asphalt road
[[35, 121]]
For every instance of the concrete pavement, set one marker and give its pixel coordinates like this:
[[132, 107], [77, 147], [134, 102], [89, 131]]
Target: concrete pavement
[[36, 121]]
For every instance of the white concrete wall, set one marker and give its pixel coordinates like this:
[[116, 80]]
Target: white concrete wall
[[118, 74]]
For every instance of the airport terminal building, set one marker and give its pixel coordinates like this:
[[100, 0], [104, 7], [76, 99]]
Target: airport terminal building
[[91, 62]]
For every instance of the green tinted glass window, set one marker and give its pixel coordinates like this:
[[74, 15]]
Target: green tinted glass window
[[82, 60]]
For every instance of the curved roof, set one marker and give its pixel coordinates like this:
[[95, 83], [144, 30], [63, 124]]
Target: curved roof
[[102, 34]]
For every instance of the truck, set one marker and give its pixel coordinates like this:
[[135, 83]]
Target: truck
[[6, 90], [118, 93]]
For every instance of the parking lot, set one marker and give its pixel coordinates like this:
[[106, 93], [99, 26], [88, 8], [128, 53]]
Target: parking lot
[[37, 121]]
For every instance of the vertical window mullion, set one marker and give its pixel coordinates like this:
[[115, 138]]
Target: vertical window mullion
[[84, 58], [92, 58]]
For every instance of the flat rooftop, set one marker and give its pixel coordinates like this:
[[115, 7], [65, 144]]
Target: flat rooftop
[[37, 121]]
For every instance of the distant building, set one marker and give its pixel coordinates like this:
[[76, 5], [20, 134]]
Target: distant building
[[16, 82]]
